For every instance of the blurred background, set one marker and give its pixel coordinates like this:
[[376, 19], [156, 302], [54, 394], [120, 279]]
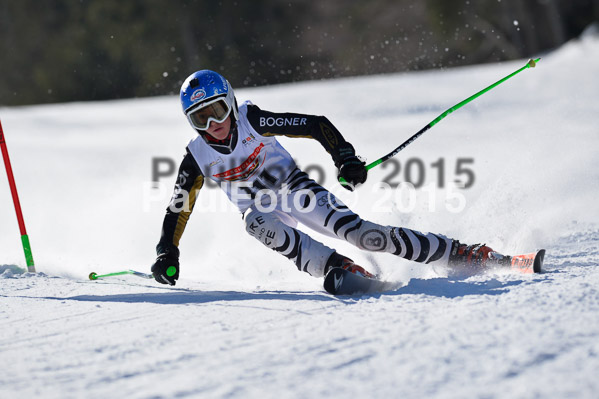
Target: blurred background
[[80, 50]]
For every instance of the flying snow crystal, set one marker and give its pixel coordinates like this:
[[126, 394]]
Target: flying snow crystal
[[515, 22], [164, 74]]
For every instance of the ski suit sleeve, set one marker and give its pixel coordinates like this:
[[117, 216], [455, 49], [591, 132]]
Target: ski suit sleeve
[[189, 182], [288, 124]]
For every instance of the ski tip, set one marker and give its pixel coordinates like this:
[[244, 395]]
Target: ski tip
[[93, 276], [538, 262]]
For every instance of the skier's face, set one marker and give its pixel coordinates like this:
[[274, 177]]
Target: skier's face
[[220, 131]]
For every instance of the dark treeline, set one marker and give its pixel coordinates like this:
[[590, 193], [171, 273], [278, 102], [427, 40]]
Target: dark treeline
[[77, 50]]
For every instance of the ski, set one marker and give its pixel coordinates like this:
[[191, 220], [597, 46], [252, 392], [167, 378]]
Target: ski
[[339, 281], [528, 263]]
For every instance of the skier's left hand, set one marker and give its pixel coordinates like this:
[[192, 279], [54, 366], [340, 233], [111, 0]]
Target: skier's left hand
[[354, 171], [166, 269]]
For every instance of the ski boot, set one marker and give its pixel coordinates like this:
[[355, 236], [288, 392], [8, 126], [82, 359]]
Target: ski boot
[[336, 260], [477, 256]]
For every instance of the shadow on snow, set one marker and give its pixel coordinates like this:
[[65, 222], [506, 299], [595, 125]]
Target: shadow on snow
[[435, 287], [454, 288], [181, 297]]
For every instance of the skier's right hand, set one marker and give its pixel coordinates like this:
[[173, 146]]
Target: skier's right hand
[[353, 171], [166, 269]]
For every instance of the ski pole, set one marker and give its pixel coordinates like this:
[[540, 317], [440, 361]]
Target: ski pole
[[530, 64], [17, 203], [95, 276]]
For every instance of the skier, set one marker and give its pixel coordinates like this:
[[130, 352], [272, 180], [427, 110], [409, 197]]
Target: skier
[[237, 148]]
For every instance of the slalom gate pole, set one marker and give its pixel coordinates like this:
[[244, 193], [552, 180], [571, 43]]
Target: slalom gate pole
[[15, 199], [530, 64]]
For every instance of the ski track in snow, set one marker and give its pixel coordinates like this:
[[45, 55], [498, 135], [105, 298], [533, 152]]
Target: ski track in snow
[[493, 335], [246, 324]]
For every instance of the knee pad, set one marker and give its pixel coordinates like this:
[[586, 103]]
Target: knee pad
[[371, 237], [265, 227], [272, 230]]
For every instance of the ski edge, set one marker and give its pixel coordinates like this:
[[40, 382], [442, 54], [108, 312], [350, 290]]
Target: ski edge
[[538, 262]]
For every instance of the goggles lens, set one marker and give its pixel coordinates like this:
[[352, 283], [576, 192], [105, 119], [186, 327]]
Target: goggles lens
[[217, 111]]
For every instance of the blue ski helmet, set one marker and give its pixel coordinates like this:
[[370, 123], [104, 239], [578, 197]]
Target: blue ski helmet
[[203, 86]]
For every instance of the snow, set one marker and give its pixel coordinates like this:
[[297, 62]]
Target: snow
[[242, 322]]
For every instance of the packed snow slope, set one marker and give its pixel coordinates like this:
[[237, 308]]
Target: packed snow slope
[[242, 322]]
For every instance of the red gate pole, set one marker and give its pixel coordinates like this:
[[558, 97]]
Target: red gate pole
[[15, 198]]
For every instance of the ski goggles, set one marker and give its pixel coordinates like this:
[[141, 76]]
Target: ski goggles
[[216, 110]]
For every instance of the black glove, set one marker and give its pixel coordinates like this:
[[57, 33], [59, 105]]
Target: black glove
[[166, 269], [353, 170]]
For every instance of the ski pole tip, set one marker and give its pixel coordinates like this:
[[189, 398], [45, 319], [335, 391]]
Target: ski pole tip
[[533, 63], [93, 276]]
